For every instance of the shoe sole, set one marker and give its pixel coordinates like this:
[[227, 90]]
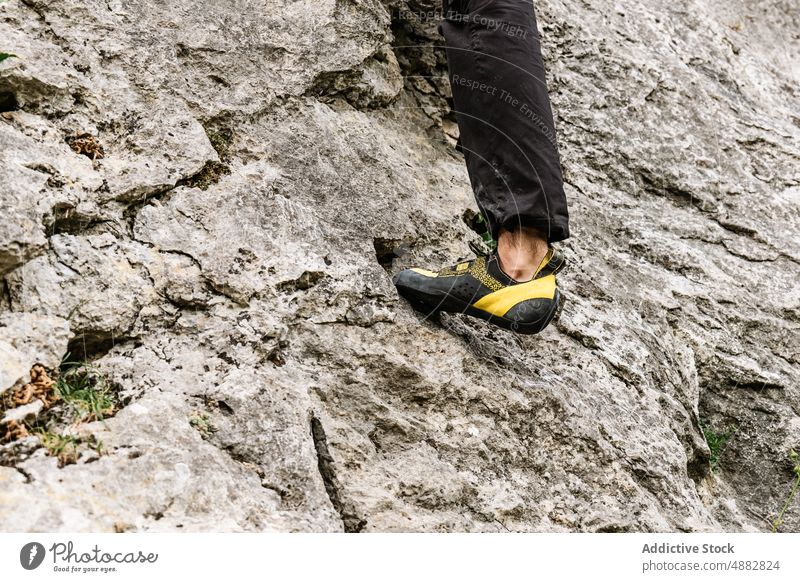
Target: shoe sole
[[450, 304]]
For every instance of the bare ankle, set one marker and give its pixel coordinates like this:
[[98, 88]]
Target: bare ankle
[[521, 251]]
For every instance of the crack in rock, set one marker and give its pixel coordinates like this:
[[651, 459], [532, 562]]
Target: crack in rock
[[353, 523]]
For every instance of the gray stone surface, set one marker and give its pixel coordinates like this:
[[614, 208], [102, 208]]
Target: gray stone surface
[[23, 412], [27, 339], [266, 167]]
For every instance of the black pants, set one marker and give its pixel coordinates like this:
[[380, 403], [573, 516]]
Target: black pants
[[504, 116]]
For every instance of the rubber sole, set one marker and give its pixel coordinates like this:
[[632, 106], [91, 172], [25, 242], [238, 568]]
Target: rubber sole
[[449, 304]]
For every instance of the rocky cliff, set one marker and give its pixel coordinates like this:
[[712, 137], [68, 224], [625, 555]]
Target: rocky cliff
[[203, 203]]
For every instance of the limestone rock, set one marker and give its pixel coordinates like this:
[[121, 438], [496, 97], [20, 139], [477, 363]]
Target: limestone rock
[[27, 339], [266, 166], [12, 366], [20, 413]]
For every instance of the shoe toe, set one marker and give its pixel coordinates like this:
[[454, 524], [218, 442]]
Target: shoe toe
[[406, 278], [420, 289]]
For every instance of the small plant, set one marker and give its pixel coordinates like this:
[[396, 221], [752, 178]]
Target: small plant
[[63, 447], [66, 447], [4, 56], [75, 393], [202, 423], [716, 443], [86, 390], [795, 459]]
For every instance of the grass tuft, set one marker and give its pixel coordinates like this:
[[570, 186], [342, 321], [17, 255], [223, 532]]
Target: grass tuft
[[86, 391], [62, 447], [73, 394]]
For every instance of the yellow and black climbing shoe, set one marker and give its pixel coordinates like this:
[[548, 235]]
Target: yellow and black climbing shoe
[[480, 288]]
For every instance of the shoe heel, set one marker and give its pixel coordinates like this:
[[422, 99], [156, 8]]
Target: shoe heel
[[559, 308]]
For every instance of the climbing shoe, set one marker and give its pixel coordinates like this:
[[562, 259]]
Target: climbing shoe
[[480, 288]]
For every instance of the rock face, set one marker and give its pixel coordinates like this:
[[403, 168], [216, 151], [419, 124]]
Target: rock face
[[208, 199]]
